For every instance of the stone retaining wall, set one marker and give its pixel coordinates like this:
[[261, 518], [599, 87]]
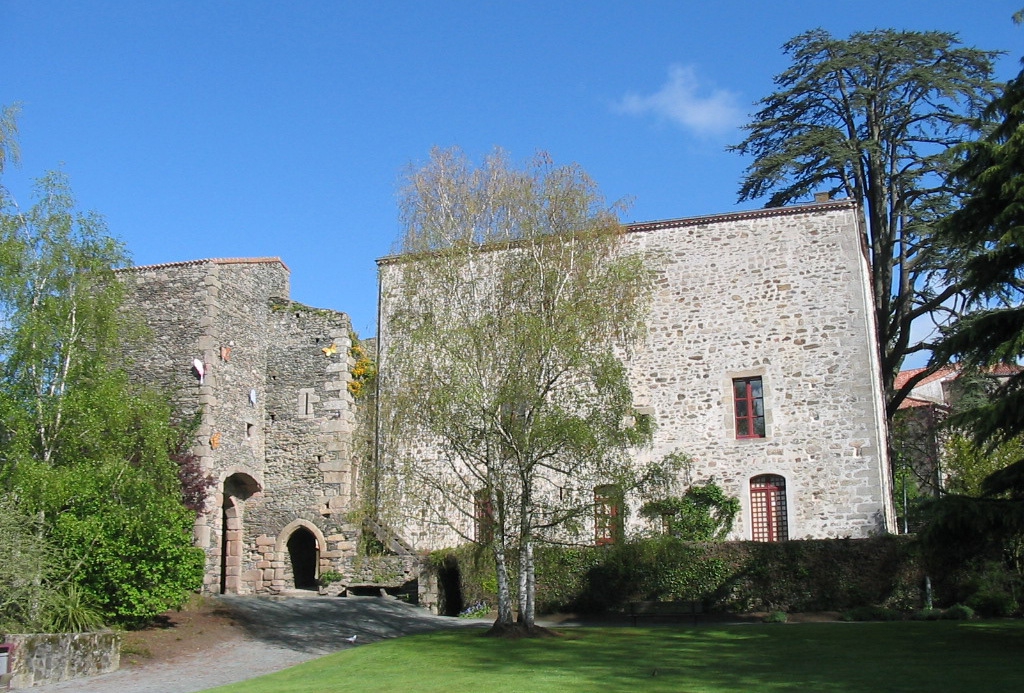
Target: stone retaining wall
[[40, 658]]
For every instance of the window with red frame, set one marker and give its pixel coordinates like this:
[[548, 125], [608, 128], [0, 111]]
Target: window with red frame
[[768, 508], [608, 527], [748, 401], [483, 516]]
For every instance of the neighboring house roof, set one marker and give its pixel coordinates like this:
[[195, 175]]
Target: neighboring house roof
[[929, 391], [942, 374], [914, 403]]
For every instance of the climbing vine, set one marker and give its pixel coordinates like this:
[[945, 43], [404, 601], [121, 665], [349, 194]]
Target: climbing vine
[[364, 369]]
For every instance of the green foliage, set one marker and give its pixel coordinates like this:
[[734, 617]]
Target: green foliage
[[703, 513], [873, 117], [776, 617], [819, 575], [958, 612], [968, 464], [502, 325], [72, 610], [86, 455], [992, 604], [988, 230], [329, 577], [26, 562], [364, 368], [871, 613]]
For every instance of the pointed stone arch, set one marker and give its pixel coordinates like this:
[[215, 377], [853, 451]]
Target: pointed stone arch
[[298, 549]]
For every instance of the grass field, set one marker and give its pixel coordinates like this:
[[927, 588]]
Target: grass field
[[906, 656]]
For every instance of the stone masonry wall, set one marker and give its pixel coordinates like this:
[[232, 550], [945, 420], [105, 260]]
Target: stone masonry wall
[[276, 416], [40, 658], [780, 294]]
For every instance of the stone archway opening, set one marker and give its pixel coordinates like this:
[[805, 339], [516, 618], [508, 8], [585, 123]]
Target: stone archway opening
[[304, 556], [237, 488]]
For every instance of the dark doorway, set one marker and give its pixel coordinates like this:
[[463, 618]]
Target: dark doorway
[[450, 583], [303, 554]]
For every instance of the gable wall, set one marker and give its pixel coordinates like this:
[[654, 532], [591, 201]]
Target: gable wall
[[781, 296]]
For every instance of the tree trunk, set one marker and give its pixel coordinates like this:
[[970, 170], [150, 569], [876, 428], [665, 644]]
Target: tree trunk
[[504, 588]]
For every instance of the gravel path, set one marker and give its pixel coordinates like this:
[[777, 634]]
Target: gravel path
[[279, 633]]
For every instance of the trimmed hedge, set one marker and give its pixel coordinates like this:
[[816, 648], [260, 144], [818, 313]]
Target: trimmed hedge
[[811, 575]]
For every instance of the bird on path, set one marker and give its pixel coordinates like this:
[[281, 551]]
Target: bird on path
[[352, 640]]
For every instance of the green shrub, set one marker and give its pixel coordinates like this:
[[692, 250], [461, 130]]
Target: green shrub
[[958, 612], [812, 575], [992, 604], [72, 610], [927, 614], [776, 617], [871, 613], [329, 577]]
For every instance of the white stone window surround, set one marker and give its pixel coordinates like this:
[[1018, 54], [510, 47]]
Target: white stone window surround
[[729, 405]]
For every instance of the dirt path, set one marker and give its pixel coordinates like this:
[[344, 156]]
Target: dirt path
[[230, 639]]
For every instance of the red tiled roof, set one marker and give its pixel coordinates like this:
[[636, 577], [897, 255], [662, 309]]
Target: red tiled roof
[[904, 376]]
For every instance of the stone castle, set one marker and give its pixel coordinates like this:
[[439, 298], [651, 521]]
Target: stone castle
[[760, 363]]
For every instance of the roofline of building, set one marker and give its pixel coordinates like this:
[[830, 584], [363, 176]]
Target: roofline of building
[[211, 261], [739, 216], [764, 212]]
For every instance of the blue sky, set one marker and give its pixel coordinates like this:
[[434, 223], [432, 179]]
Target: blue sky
[[232, 129]]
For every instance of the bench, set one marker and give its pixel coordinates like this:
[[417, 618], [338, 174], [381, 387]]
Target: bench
[[674, 610]]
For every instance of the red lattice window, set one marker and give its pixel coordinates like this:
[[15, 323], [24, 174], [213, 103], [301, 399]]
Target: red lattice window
[[608, 527], [483, 516], [748, 399], [768, 508]]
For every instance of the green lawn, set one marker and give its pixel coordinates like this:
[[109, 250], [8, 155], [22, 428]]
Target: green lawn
[[913, 656]]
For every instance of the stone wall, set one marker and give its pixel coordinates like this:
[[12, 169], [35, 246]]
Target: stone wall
[[276, 417], [41, 658], [781, 295]]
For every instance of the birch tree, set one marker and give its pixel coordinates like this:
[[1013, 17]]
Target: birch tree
[[507, 312], [82, 451]]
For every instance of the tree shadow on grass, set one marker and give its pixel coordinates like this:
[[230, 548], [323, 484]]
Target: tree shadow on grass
[[816, 657]]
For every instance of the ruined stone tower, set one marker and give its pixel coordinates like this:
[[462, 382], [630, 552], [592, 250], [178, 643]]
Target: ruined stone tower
[[267, 379]]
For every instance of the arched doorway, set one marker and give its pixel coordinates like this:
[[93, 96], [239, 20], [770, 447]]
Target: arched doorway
[[237, 488], [768, 512], [304, 556]]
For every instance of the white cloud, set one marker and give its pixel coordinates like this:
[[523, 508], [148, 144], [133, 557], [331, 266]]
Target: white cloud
[[682, 101]]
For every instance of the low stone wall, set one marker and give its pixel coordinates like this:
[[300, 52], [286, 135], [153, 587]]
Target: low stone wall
[[39, 658]]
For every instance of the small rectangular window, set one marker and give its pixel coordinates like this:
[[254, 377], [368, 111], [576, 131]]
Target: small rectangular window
[[748, 400]]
